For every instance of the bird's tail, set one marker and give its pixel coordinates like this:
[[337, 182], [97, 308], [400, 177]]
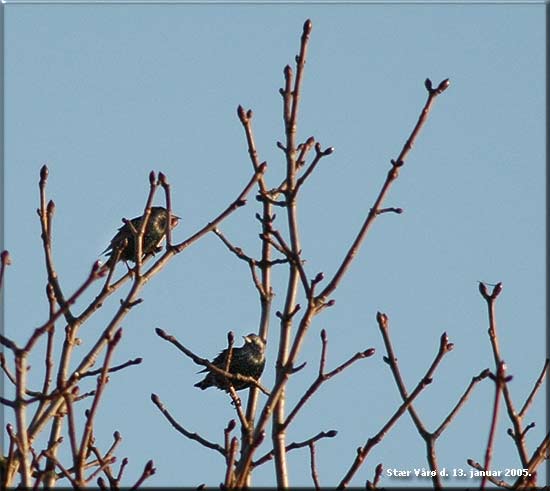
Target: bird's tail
[[202, 385]]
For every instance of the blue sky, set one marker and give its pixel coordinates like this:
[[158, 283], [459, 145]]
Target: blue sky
[[106, 93]]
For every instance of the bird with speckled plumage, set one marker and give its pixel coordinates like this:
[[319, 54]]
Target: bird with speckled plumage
[[248, 360], [122, 246]]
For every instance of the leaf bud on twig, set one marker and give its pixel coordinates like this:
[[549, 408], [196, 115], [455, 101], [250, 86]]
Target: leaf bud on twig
[[44, 172], [496, 290], [5, 256], [444, 85], [241, 113]]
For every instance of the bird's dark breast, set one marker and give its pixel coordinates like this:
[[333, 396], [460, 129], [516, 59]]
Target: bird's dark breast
[[241, 363]]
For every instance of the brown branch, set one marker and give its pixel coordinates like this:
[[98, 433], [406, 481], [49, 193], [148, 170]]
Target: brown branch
[[514, 417], [163, 181], [23, 440], [264, 288], [68, 399], [536, 388], [319, 154], [313, 466], [500, 380], [102, 380], [293, 255], [245, 117], [5, 368], [392, 176], [148, 471], [104, 466], [123, 465], [240, 201], [295, 445], [229, 473], [227, 437], [49, 342], [377, 475], [129, 363], [63, 470], [291, 100], [447, 421], [39, 331], [252, 263], [192, 436], [46, 212], [139, 234], [323, 377]]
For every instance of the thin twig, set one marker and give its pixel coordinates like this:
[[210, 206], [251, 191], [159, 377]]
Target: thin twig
[[429, 438], [192, 436], [319, 154], [313, 466], [229, 472], [500, 380], [129, 363], [536, 388], [391, 177], [163, 181], [295, 445], [518, 433], [148, 471], [323, 377], [101, 384], [377, 475], [447, 421]]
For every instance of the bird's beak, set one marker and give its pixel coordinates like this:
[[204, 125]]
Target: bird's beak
[[174, 220]]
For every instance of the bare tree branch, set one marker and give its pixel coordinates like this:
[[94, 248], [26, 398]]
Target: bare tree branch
[[183, 431]]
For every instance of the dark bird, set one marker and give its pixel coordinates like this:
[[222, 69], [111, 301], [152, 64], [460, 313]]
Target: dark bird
[[248, 360], [122, 245]]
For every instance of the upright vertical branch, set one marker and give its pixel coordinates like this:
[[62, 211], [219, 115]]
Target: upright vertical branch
[[45, 212], [86, 441], [515, 418], [291, 101], [266, 291], [21, 416], [500, 380]]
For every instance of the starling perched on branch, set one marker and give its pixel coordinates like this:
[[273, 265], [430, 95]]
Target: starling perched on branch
[[122, 246], [248, 360]]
